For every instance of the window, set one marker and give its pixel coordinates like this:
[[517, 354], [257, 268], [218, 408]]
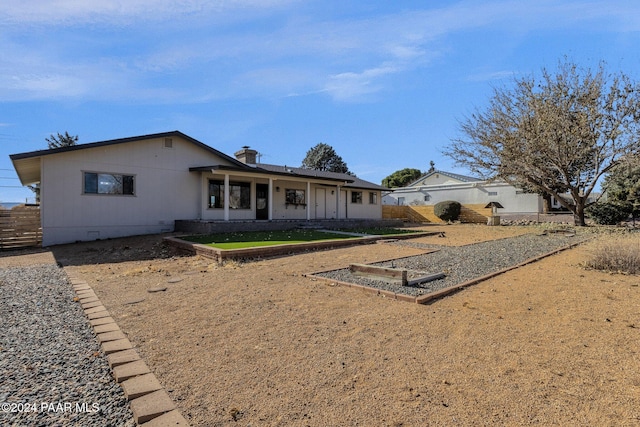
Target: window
[[493, 193], [356, 197], [294, 197], [373, 198], [400, 201], [108, 183], [427, 197], [239, 194]]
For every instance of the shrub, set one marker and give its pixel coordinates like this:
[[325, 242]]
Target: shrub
[[448, 210], [616, 254], [608, 213]]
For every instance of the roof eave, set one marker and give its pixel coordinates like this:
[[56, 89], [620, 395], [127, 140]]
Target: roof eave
[[258, 170], [28, 169], [175, 133]]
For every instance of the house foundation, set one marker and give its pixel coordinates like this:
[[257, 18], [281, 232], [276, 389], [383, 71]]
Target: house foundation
[[212, 227]]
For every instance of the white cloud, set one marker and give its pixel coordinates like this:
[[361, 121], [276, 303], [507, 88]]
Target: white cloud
[[354, 86], [73, 12], [292, 53], [46, 84]]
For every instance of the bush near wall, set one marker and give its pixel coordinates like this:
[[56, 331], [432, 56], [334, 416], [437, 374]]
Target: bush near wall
[[449, 210]]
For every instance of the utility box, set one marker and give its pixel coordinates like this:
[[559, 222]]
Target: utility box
[[494, 219]]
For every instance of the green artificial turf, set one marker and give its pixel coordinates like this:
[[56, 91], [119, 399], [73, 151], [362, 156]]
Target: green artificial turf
[[251, 239]]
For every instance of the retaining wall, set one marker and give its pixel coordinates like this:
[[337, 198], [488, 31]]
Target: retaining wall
[[476, 214], [212, 227]]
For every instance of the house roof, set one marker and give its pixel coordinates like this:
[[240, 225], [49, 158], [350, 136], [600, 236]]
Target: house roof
[[457, 177], [27, 164], [289, 171], [350, 180]]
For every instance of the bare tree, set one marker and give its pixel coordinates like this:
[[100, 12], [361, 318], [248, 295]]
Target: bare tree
[[557, 135]]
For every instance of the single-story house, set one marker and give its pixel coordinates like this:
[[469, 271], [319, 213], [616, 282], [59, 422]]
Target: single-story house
[[143, 184], [438, 186]]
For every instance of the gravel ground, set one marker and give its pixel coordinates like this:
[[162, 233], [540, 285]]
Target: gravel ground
[[460, 263], [51, 368]]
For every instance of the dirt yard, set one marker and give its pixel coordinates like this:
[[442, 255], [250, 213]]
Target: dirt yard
[[258, 344]]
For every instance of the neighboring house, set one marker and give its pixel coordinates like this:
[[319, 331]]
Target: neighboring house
[[143, 184], [438, 186]]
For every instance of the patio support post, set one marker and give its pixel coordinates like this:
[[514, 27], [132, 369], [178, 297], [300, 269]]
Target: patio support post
[[270, 199], [308, 200], [337, 202], [226, 197]]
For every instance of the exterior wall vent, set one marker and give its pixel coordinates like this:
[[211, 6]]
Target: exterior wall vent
[[168, 143]]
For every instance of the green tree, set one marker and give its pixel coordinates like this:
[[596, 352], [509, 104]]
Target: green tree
[[623, 188], [401, 178], [323, 157], [59, 140], [608, 213], [558, 134]]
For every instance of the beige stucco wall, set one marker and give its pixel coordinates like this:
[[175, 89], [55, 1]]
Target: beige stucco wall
[[364, 210], [438, 179], [281, 211], [508, 196], [165, 190]]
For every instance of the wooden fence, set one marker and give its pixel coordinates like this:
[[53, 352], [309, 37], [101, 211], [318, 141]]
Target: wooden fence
[[476, 214], [20, 227]]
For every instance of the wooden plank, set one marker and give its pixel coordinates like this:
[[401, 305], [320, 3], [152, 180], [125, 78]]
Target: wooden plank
[[386, 274], [20, 227]]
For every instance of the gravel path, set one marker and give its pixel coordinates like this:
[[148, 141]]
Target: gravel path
[[51, 370], [460, 263]]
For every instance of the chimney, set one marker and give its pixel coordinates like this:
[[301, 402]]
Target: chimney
[[246, 155]]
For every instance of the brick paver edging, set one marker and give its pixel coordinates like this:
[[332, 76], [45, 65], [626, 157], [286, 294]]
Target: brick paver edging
[[433, 296], [149, 401], [275, 250]]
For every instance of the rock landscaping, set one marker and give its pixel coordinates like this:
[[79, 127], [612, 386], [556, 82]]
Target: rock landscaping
[[51, 368], [258, 343], [460, 263]]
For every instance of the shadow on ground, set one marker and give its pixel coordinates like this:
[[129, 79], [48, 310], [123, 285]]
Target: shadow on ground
[[137, 248]]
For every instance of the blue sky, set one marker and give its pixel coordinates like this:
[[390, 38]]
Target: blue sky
[[384, 83]]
